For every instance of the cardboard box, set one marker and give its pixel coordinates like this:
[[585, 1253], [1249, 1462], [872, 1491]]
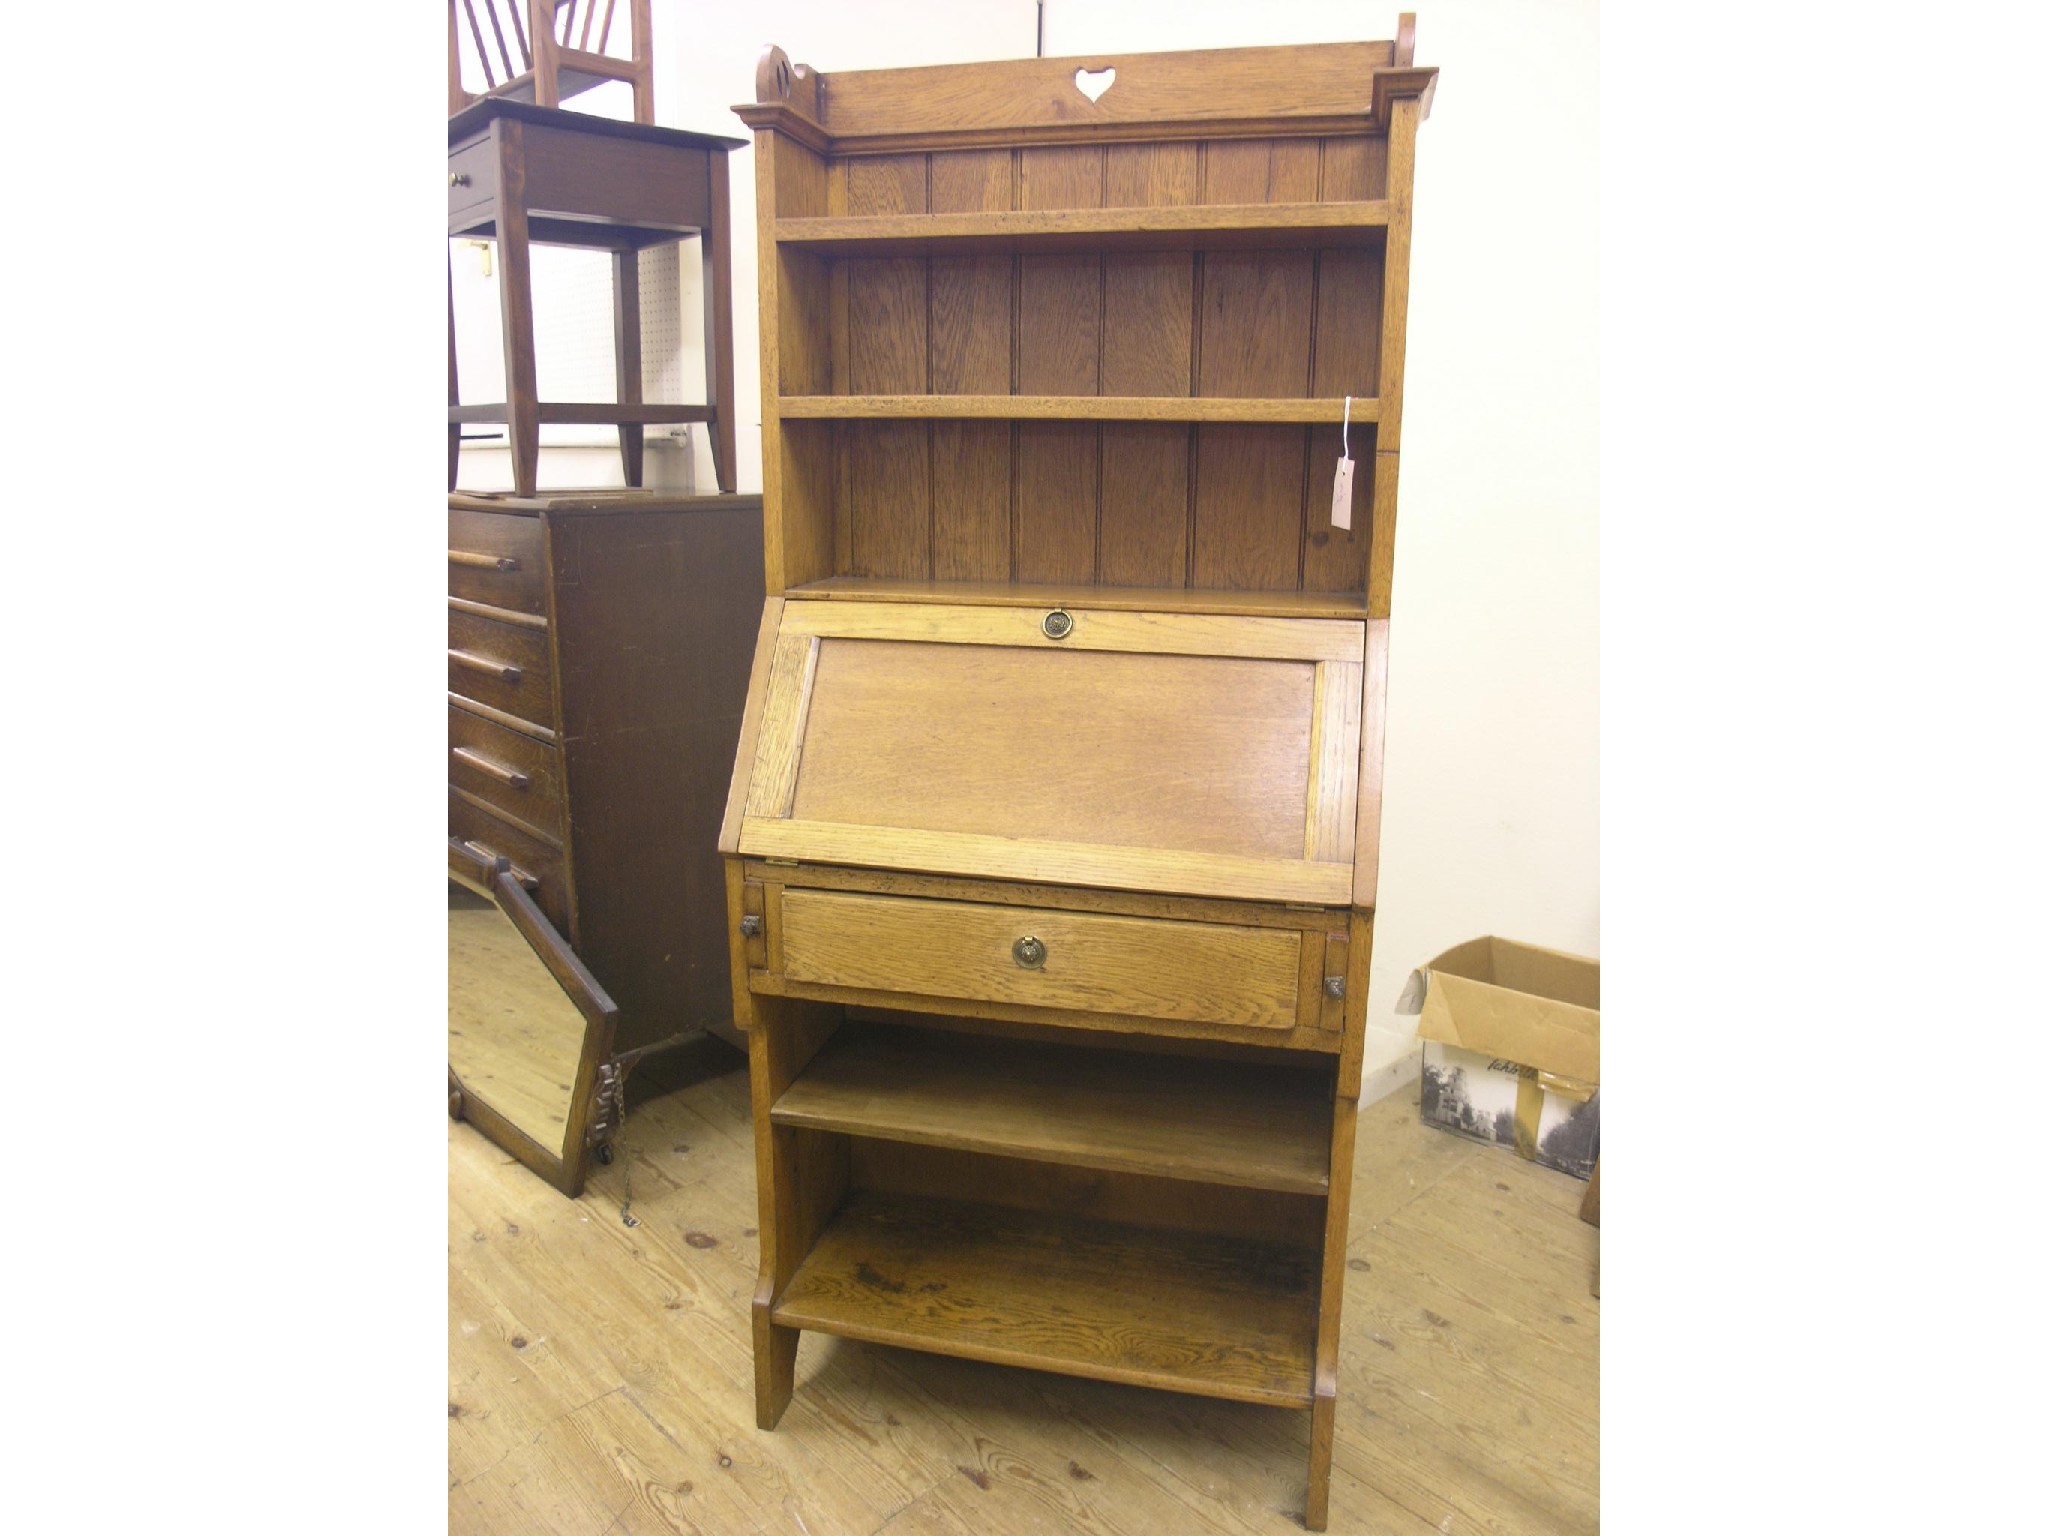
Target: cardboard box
[[1511, 1049]]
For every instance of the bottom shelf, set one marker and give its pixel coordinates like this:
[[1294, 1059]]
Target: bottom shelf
[[1224, 1317]]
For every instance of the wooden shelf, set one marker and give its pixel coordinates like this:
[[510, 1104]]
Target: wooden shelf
[[1218, 1122], [1224, 1317], [1295, 226], [1010, 594], [1073, 408]]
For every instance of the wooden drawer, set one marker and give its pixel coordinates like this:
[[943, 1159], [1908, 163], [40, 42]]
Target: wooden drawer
[[498, 559], [503, 665], [1095, 962], [472, 177], [493, 836], [518, 775]]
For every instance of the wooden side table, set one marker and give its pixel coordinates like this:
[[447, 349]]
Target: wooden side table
[[526, 175]]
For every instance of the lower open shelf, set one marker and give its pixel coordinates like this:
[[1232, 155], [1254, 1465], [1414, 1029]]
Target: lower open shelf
[[1191, 1312]]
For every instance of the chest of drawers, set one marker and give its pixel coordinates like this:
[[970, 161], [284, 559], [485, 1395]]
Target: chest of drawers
[[597, 664]]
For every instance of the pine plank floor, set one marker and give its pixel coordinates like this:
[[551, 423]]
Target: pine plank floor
[[600, 1376]]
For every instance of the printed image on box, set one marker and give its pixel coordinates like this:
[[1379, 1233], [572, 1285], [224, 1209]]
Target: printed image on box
[[1510, 1038], [1477, 1096]]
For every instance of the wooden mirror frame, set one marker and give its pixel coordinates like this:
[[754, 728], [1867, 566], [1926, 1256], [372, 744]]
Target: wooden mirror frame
[[494, 878]]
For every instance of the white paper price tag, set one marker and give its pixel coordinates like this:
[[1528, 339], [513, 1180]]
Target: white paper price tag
[[1340, 493]]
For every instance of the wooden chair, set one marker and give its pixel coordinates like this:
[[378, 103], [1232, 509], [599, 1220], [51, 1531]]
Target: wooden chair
[[559, 61]]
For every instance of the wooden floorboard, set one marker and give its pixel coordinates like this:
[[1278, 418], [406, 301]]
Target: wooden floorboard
[[600, 1375]]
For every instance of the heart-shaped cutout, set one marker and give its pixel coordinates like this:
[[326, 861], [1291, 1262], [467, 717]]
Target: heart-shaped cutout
[[1093, 82]]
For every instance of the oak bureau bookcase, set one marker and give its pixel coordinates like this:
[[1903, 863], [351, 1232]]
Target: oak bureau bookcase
[[1053, 834]]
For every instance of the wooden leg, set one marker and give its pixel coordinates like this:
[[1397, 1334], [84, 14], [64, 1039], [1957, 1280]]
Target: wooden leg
[[454, 393], [515, 290], [626, 352], [774, 1364], [1322, 1437], [1322, 1419], [799, 1176], [717, 243]]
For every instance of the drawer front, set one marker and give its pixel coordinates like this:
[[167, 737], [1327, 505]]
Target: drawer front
[[498, 559], [493, 836], [503, 665], [472, 176], [1151, 967], [516, 774]]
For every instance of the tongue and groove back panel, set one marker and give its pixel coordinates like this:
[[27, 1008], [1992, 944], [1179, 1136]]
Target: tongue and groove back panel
[[1161, 504]]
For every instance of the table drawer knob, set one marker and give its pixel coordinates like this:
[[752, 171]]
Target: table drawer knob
[[1058, 624], [458, 178], [1029, 952]]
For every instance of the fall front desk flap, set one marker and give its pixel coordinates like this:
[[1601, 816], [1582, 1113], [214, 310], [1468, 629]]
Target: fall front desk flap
[[1189, 754]]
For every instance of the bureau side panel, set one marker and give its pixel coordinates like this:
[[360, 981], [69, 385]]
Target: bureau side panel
[[656, 616]]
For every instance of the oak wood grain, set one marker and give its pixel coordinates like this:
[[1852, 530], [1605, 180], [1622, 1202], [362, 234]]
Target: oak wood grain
[[1093, 962], [1172, 1117], [1113, 1302]]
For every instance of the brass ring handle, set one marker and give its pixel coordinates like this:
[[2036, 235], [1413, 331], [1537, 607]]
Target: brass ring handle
[[476, 663], [497, 771], [482, 562], [458, 178], [1029, 952]]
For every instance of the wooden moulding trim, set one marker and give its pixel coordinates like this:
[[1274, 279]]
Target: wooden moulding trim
[[1004, 594], [1175, 408], [1094, 629], [1372, 742], [1058, 897], [1242, 92], [1233, 876], [750, 728], [1309, 1044], [803, 131], [1264, 223]]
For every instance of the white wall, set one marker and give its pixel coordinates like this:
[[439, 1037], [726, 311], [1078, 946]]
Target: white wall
[[1492, 773]]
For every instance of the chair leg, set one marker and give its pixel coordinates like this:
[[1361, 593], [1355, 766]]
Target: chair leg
[[454, 393], [626, 352], [717, 244], [515, 290]]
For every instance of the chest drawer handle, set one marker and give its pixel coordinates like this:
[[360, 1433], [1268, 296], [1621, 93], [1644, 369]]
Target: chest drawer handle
[[497, 771], [476, 663], [1029, 952], [482, 562], [460, 178]]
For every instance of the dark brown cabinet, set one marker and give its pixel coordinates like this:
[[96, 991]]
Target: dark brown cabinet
[[598, 652]]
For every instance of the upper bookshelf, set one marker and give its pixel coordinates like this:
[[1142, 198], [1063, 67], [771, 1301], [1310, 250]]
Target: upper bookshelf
[[1227, 227], [1030, 322]]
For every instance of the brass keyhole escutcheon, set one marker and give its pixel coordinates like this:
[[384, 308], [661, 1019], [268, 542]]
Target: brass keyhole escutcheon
[[1029, 952], [1058, 624]]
